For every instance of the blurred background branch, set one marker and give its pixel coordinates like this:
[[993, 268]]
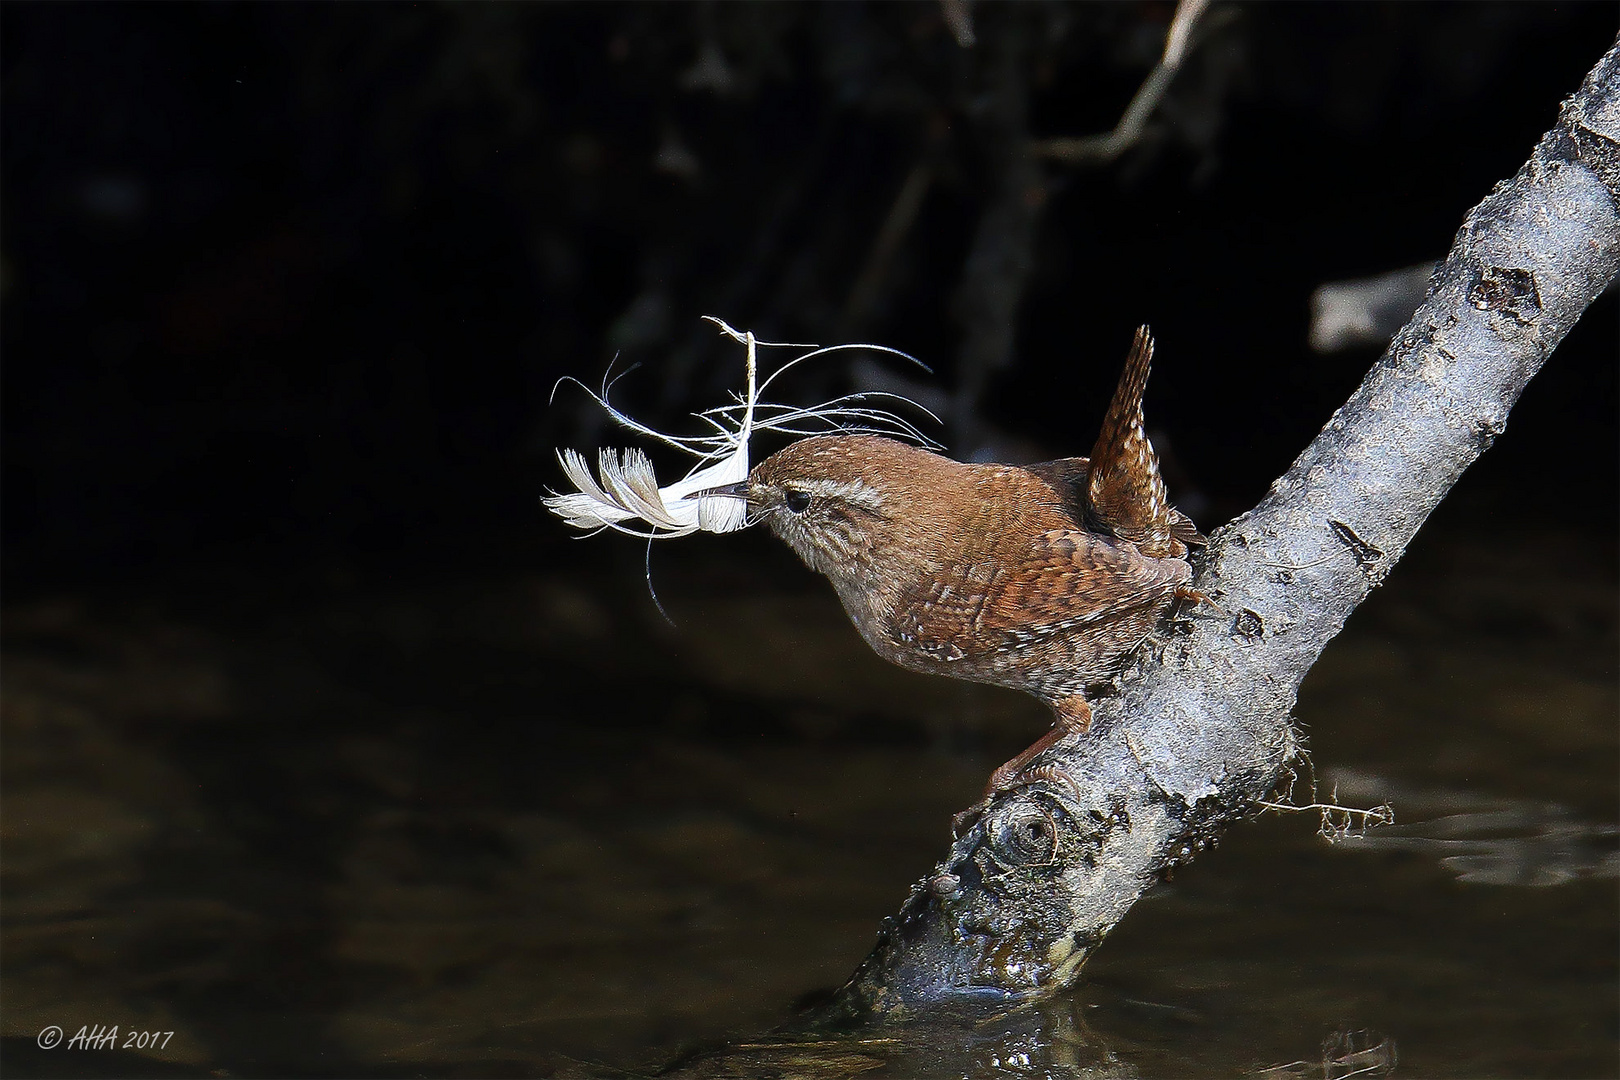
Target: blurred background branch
[[1100, 149]]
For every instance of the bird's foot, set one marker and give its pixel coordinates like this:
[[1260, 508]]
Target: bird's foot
[[1073, 717], [1186, 594], [961, 822]]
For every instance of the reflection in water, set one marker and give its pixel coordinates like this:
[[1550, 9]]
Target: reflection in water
[[1039, 1041], [1047, 1040], [389, 830], [1489, 841], [1344, 1054]]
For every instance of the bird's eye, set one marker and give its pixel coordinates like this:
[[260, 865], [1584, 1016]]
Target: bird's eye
[[797, 502]]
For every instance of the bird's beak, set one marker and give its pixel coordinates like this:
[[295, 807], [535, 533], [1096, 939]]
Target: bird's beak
[[739, 490]]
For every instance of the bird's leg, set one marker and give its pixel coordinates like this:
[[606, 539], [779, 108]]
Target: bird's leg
[[1072, 716]]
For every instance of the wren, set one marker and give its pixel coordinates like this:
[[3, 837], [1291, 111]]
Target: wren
[[1040, 578]]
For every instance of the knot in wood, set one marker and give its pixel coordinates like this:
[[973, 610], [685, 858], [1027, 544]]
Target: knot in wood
[[1506, 289], [1248, 624]]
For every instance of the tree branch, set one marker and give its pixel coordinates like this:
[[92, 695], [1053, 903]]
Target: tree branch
[[1200, 730], [1100, 149]]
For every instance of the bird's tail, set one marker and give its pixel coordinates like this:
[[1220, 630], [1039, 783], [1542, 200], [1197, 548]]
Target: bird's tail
[[1125, 493]]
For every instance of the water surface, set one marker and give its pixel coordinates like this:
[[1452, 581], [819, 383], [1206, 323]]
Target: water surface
[[510, 823]]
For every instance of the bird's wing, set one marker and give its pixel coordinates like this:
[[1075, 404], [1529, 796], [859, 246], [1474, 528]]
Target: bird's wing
[[1070, 476], [1070, 578], [1183, 529], [1066, 476]]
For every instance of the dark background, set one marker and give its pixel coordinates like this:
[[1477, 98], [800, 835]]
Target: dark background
[[328, 749], [287, 282]]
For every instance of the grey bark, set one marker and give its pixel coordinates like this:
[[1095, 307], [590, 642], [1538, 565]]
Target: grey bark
[[1201, 728]]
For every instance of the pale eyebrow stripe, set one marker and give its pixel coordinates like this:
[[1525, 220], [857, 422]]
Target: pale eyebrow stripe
[[853, 492]]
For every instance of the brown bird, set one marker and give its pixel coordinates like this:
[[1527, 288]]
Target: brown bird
[[1040, 578]]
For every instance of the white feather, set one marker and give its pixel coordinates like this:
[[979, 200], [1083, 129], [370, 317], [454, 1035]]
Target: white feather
[[626, 488]]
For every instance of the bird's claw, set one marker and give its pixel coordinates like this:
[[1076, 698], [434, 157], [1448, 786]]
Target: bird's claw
[[999, 785]]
